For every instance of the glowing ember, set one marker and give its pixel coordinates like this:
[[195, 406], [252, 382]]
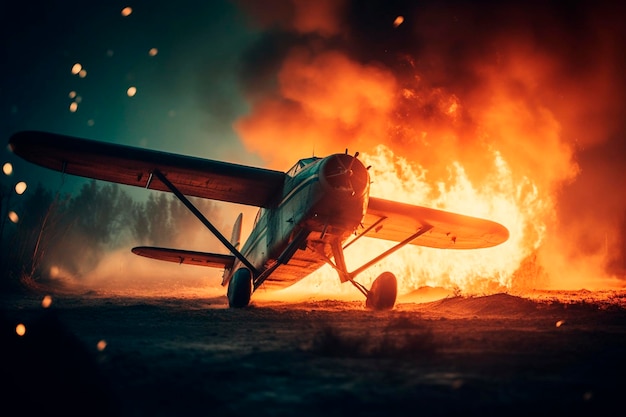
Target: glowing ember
[[7, 168], [13, 217], [76, 68], [20, 187], [560, 323], [102, 344], [131, 91], [73, 107], [20, 329], [398, 21], [46, 302], [127, 11]]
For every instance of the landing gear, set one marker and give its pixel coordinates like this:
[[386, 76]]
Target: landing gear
[[240, 288], [382, 295]]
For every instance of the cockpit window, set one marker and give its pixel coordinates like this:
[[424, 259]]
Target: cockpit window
[[300, 165]]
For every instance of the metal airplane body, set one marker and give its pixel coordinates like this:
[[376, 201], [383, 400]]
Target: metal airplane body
[[307, 217]]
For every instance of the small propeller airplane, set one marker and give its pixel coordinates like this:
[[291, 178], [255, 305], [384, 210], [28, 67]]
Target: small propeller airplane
[[307, 216]]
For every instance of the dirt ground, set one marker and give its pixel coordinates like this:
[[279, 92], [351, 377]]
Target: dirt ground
[[550, 354]]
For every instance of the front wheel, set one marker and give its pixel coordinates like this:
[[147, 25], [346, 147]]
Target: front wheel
[[382, 295], [240, 288]]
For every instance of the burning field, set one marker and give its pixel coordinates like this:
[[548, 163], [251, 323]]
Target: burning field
[[488, 109]]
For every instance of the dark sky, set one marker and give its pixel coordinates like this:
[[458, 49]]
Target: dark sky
[[187, 94], [264, 82]]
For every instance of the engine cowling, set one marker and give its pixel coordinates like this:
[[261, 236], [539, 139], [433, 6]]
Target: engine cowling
[[345, 175]]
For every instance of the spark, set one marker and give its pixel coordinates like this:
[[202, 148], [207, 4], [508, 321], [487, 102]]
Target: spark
[[73, 106], [20, 329], [76, 68], [560, 323], [127, 11], [46, 302], [7, 168], [13, 217], [102, 344], [398, 21], [20, 187]]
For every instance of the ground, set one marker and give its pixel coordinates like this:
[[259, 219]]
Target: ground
[[110, 355]]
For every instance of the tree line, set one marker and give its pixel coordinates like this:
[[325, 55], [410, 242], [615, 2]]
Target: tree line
[[50, 232]]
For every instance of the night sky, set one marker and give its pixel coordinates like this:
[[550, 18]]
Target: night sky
[[187, 94], [227, 82]]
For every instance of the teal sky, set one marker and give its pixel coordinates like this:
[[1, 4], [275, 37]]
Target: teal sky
[[187, 96]]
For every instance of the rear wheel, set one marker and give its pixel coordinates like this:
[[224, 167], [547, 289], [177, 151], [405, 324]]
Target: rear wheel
[[382, 295], [240, 288]]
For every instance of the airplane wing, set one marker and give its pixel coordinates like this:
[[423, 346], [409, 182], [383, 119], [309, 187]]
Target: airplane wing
[[395, 221], [133, 166], [214, 260]]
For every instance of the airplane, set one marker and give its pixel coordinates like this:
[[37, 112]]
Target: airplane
[[307, 215]]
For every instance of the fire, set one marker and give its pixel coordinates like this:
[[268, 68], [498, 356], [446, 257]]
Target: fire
[[495, 149]]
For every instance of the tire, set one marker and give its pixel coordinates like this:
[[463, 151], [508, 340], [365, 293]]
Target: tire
[[240, 288], [382, 295]]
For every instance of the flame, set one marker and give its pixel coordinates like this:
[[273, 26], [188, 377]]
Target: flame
[[499, 151]]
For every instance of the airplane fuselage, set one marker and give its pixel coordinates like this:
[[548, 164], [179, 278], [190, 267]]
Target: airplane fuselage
[[322, 203]]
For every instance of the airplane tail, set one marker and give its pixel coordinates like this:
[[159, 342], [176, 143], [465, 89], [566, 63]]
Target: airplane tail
[[235, 238]]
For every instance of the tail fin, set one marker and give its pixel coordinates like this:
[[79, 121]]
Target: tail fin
[[235, 238]]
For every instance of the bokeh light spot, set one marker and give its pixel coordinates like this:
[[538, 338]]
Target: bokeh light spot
[[127, 11], [13, 217], [73, 106], [46, 302], [7, 168], [82, 73], [102, 344], [131, 91], [76, 68], [91, 122], [153, 51], [20, 187], [72, 94], [398, 21], [20, 329]]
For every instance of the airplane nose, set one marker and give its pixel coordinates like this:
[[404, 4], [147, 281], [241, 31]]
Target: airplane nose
[[345, 174]]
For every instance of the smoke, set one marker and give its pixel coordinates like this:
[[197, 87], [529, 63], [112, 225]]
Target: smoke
[[533, 88]]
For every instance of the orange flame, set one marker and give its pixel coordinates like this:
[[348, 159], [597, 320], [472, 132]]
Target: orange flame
[[498, 153]]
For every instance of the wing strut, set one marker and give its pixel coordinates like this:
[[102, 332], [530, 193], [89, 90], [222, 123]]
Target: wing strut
[[391, 250], [202, 218], [340, 266]]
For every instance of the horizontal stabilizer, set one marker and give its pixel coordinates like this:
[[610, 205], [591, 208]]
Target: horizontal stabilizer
[[213, 260]]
